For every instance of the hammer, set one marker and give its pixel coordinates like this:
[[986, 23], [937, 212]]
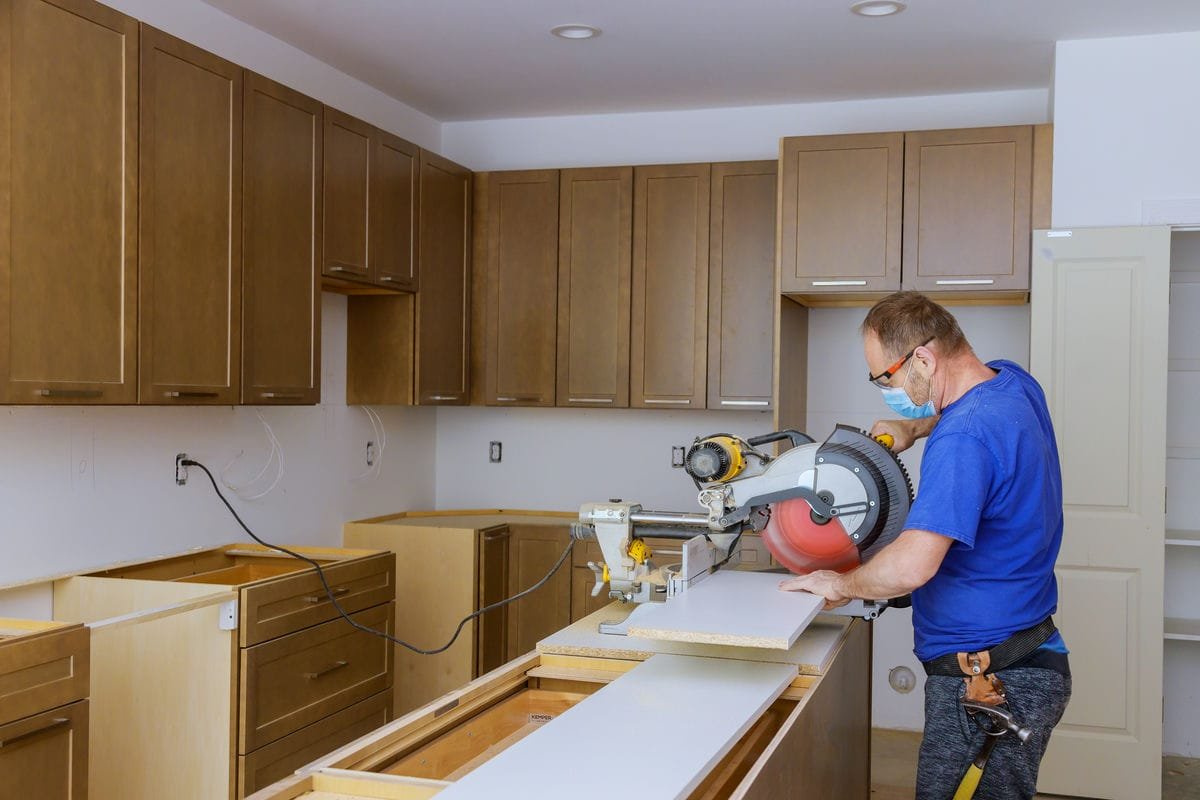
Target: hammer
[[1001, 722]]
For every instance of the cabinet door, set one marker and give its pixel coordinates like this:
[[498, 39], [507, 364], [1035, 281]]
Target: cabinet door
[[840, 202], [46, 756], [669, 334], [966, 209], [532, 552], [741, 286], [190, 218], [595, 226], [394, 198], [522, 287], [347, 166], [444, 302], [68, 203], [491, 638], [281, 240]]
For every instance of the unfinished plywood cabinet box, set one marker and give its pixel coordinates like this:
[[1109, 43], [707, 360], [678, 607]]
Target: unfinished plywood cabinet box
[[240, 643], [794, 725], [43, 710]]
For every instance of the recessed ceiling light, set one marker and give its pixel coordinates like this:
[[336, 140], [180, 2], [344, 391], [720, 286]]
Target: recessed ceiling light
[[575, 31], [878, 8]]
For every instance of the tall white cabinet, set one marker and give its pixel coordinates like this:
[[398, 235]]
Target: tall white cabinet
[[1098, 346]]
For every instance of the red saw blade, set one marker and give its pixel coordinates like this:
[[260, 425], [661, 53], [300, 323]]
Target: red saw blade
[[804, 546]]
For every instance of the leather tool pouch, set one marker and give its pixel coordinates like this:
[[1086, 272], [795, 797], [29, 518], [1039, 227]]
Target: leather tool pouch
[[981, 687]]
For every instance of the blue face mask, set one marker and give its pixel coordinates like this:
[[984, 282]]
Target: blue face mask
[[898, 400]]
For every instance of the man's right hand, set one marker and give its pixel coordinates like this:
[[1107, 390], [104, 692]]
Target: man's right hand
[[904, 432]]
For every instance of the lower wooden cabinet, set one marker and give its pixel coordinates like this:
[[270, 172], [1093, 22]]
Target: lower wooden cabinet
[[44, 668]]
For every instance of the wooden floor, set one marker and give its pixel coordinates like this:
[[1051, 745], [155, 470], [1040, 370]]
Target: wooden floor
[[894, 769]]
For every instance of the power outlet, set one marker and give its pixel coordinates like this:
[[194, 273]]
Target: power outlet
[[495, 452], [371, 454], [181, 469], [677, 454]]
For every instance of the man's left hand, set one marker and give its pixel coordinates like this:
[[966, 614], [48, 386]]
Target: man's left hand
[[823, 583]]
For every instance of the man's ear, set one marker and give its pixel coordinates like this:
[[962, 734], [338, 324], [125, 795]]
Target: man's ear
[[925, 361]]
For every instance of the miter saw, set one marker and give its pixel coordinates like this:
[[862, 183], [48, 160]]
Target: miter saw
[[826, 505]]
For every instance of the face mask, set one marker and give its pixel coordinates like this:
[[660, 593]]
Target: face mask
[[899, 401]]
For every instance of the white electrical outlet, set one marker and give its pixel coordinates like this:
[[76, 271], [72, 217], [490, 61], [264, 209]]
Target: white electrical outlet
[[495, 451], [371, 454], [677, 455]]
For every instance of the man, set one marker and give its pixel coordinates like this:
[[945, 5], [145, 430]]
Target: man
[[979, 545]]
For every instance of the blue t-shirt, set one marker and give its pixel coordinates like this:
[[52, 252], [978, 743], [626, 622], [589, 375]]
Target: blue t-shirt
[[991, 481]]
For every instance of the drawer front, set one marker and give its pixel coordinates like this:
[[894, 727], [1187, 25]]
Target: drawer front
[[43, 671], [296, 602], [46, 756], [279, 759], [299, 679]]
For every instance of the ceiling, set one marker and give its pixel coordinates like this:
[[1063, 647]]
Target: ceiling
[[476, 59]]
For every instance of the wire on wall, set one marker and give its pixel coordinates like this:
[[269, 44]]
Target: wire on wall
[[274, 457]]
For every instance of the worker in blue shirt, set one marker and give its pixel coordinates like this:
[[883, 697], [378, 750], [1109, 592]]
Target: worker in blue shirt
[[979, 545]]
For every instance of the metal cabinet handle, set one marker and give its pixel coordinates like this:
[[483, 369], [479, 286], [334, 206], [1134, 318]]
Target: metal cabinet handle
[[185, 395], [839, 283], [443, 397], [745, 402], [281, 396], [55, 723], [335, 268], [69, 393], [312, 676], [966, 282], [589, 399], [655, 401], [520, 398], [313, 599], [390, 279]]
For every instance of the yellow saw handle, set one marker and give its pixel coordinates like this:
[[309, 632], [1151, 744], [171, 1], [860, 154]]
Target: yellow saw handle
[[886, 440]]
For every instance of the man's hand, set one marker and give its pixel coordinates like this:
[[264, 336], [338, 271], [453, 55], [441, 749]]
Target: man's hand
[[823, 583], [904, 432]]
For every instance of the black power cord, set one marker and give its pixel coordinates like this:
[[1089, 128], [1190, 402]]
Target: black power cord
[[187, 462]]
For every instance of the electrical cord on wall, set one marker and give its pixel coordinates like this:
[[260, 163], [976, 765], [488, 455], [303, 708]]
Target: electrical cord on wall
[[187, 462]]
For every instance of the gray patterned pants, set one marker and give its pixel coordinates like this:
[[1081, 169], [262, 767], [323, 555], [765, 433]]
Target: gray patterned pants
[[1037, 699]]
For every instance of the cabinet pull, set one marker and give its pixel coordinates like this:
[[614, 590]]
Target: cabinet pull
[[312, 676], [184, 395], [336, 268], [390, 279], [313, 599], [281, 396], [668, 402], [520, 398], [443, 397], [491, 537], [589, 400], [745, 402], [966, 282], [839, 283], [56, 723], [69, 393]]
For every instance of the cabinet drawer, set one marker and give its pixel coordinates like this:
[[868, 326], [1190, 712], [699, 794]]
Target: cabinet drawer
[[295, 602], [299, 679], [279, 759], [42, 671], [46, 756]]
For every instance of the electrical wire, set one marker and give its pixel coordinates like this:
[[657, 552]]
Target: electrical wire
[[274, 457], [380, 431], [187, 462]]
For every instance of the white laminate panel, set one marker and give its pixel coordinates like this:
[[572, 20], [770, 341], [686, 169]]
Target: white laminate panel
[[694, 710], [729, 607]]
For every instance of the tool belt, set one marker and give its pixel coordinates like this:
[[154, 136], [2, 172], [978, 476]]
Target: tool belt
[[994, 659]]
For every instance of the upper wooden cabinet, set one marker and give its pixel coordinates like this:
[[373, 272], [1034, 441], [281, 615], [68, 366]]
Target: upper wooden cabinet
[[521, 275], [595, 227], [967, 209], [840, 213], [395, 197], [669, 327], [741, 286], [443, 306], [190, 219], [68, 203], [281, 241], [347, 167]]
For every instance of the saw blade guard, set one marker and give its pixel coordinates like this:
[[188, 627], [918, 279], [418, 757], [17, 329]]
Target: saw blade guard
[[804, 541]]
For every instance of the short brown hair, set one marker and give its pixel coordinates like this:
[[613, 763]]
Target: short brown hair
[[906, 320]]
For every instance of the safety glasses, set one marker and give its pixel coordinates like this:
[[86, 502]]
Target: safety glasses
[[881, 380]]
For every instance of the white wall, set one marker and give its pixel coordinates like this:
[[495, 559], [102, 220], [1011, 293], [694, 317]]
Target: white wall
[[560, 458], [718, 134], [1126, 127], [217, 32], [83, 487]]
